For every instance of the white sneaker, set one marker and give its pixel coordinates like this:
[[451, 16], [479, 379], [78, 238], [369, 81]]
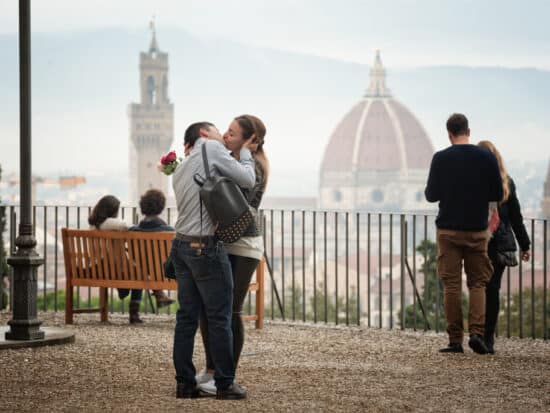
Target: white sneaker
[[203, 376], [209, 387]]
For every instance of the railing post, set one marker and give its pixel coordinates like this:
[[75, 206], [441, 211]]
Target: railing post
[[283, 261], [391, 271], [368, 271], [314, 266], [402, 269], [292, 252], [260, 294], [304, 266], [545, 281], [358, 258], [533, 243]]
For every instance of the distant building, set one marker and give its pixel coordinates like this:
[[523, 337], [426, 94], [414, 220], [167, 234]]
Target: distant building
[[546, 195], [151, 123], [378, 156]]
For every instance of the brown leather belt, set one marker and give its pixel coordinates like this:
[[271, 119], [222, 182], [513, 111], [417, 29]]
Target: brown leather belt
[[194, 239]]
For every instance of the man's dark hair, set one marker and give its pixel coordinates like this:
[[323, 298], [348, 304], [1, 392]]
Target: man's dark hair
[[192, 133], [152, 202], [457, 124]]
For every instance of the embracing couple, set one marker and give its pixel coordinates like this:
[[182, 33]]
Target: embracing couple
[[212, 276]]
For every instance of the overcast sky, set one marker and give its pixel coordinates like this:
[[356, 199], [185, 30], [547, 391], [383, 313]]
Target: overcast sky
[[507, 33], [410, 33]]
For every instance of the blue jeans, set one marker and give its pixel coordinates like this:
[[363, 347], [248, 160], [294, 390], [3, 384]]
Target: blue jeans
[[205, 283]]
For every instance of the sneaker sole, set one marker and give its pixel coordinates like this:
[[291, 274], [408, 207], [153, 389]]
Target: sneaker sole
[[231, 397], [207, 392]]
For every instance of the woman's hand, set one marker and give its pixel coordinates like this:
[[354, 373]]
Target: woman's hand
[[525, 255], [251, 144]]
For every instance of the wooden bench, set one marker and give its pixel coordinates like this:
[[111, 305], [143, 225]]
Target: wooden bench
[[130, 259]]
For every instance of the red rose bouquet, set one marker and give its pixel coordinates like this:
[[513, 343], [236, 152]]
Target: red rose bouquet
[[169, 163]]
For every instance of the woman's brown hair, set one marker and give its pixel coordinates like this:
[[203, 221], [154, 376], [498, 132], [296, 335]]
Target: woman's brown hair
[[503, 174], [252, 125], [106, 207]]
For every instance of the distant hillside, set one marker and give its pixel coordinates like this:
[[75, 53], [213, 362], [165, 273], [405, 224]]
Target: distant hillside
[[83, 82]]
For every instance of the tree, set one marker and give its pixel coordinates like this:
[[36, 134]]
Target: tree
[[432, 294], [318, 303], [527, 316]]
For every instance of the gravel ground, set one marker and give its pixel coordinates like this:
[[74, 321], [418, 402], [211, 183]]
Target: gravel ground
[[117, 367]]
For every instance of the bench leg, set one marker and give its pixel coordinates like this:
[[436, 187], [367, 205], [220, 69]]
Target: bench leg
[[260, 295], [103, 304], [68, 302]]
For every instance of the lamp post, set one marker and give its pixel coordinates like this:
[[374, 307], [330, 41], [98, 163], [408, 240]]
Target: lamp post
[[24, 324]]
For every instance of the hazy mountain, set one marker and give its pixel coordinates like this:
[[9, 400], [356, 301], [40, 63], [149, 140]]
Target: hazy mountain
[[83, 82]]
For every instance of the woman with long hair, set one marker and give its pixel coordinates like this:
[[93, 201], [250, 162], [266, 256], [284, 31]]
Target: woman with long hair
[[502, 245], [104, 217], [244, 254]]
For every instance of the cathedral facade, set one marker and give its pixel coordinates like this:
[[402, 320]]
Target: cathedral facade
[[151, 123], [378, 157]]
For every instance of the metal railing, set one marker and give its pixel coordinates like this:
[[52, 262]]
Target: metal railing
[[350, 268]]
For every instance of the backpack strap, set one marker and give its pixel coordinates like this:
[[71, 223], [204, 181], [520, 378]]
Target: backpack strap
[[199, 180], [205, 161]]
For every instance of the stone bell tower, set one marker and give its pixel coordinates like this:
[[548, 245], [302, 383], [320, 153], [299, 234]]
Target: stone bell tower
[[151, 122]]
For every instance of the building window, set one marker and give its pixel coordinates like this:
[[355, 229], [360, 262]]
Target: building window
[[377, 196], [337, 196], [419, 196], [149, 164]]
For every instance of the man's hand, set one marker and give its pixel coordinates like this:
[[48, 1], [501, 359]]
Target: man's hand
[[525, 255], [251, 144]]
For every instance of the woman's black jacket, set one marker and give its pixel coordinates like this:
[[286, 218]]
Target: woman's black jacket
[[510, 220]]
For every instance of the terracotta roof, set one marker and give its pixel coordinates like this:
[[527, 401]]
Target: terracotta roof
[[378, 134]]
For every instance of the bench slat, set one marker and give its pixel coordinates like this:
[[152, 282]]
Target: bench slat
[[98, 265], [158, 276], [143, 257], [132, 263], [72, 255], [110, 255], [163, 256], [79, 266], [91, 257], [150, 261]]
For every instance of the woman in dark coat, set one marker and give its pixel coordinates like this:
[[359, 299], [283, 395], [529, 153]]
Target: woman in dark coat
[[502, 246]]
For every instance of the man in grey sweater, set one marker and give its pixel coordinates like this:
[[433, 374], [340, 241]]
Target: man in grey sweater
[[203, 271]]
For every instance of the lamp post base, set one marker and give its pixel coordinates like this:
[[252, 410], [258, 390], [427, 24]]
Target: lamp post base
[[24, 330], [24, 325], [52, 336]]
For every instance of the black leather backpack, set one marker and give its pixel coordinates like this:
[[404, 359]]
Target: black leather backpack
[[225, 203]]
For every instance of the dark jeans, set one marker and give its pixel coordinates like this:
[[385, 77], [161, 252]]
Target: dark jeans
[[135, 296], [242, 268], [205, 284], [492, 300]]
